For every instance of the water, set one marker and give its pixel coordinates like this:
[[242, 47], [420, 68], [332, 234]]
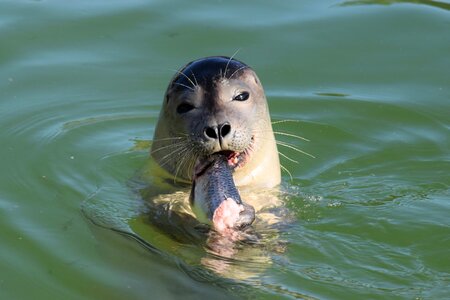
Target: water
[[367, 82]]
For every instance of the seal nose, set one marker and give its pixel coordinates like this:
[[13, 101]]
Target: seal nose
[[224, 129], [211, 132], [217, 132]]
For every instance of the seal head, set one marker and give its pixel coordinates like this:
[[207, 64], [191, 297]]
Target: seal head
[[217, 105]]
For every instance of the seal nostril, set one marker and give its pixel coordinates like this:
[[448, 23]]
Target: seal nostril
[[211, 133], [224, 129]]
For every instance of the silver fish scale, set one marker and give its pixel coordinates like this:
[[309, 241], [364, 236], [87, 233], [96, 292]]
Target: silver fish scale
[[218, 184]]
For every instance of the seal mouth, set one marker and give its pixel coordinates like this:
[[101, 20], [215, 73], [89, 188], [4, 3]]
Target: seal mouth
[[235, 159]]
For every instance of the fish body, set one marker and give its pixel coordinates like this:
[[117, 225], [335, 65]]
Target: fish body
[[215, 198]]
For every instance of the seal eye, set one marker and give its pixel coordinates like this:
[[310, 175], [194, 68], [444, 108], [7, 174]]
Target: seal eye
[[184, 108], [241, 96]]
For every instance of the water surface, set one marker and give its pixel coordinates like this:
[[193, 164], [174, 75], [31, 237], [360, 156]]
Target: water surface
[[367, 82]]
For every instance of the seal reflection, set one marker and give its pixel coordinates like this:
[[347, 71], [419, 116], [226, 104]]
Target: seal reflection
[[242, 255]]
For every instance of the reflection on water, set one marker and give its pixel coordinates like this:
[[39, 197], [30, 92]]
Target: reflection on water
[[160, 218], [437, 4]]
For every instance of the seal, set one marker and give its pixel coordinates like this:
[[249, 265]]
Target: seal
[[217, 105]]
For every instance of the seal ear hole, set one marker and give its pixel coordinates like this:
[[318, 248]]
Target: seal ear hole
[[242, 96], [184, 108]]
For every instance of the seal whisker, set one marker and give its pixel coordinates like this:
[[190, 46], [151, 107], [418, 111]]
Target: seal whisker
[[166, 158], [169, 139], [228, 62], [183, 85], [287, 157], [241, 68], [287, 134], [184, 157], [187, 77], [287, 171], [291, 135], [168, 146], [195, 78], [192, 162], [285, 121], [290, 146]]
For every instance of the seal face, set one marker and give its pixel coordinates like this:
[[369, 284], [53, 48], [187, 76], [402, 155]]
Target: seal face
[[217, 105]]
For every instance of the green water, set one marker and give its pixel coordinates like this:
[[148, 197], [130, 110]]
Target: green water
[[367, 82]]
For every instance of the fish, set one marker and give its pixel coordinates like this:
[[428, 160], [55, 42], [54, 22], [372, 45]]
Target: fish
[[215, 199]]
